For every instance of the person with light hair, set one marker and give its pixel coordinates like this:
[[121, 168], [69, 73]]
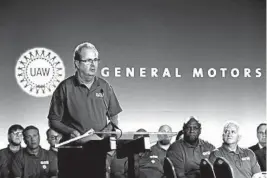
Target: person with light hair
[[82, 102], [243, 161]]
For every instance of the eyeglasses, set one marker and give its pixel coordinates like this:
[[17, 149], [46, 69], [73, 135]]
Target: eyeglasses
[[18, 134], [262, 133], [54, 137], [89, 60]]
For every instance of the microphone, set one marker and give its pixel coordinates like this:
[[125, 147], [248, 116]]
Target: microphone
[[112, 124]]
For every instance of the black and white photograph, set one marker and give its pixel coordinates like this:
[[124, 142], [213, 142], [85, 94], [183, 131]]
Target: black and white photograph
[[133, 89]]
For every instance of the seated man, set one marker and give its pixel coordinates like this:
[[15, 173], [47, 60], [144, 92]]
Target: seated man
[[187, 153], [7, 154], [160, 149], [260, 148], [261, 135], [34, 161], [243, 161], [53, 138], [147, 164]]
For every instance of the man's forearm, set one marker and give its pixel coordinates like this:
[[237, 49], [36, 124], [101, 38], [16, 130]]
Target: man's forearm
[[114, 120], [60, 127]]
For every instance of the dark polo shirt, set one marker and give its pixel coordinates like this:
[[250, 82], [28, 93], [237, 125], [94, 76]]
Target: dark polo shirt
[[243, 161], [79, 108], [6, 158], [147, 165], [186, 158], [160, 152], [42, 165], [261, 157]]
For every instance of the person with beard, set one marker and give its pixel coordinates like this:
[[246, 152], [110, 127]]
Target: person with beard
[[82, 102], [161, 147], [187, 153], [34, 161], [7, 154], [243, 161]]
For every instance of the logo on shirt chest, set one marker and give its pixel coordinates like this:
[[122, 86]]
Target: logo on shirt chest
[[44, 164], [99, 95], [206, 153], [245, 158]]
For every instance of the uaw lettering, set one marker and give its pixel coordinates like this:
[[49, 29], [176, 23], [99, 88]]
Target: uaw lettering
[[39, 71]]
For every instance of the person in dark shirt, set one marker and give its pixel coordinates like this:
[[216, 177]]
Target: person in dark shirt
[[261, 157], [53, 138], [161, 147], [261, 135], [147, 164], [187, 153], [82, 102], [7, 154], [34, 161]]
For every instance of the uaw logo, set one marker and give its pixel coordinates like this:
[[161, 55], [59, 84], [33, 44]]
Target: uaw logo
[[44, 164], [39, 71]]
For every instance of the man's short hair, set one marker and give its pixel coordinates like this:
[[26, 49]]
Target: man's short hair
[[78, 49], [228, 123], [136, 136], [189, 120], [14, 127], [29, 128], [48, 130], [260, 126]]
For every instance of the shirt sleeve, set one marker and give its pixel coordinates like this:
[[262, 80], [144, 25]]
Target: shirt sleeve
[[255, 167], [17, 165], [177, 159], [212, 157], [56, 110], [113, 104], [3, 166]]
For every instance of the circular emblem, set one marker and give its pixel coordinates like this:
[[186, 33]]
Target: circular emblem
[[39, 71], [44, 166], [153, 161]]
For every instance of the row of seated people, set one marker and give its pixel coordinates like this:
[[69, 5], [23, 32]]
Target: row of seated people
[[185, 154], [32, 161]]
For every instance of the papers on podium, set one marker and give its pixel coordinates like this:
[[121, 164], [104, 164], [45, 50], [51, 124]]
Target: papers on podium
[[87, 136]]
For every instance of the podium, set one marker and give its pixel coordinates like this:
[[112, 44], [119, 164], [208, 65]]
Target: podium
[[89, 159], [86, 160], [129, 149]]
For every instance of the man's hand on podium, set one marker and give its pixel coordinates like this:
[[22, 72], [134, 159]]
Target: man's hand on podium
[[74, 134], [106, 129]]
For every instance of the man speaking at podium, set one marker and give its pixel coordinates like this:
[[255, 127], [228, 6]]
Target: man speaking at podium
[[80, 103]]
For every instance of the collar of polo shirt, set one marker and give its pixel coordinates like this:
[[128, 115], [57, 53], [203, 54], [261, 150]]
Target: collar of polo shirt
[[199, 143], [38, 154], [237, 151], [94, 83]]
